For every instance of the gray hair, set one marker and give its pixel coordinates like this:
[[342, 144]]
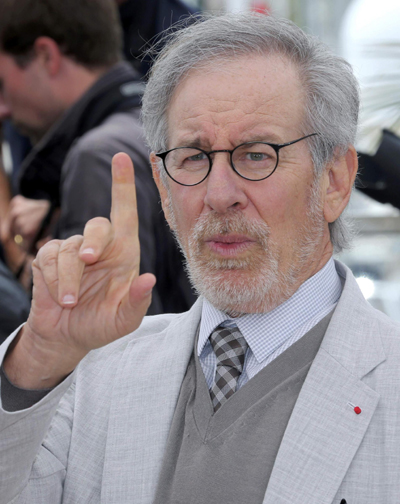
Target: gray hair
[[332, 98]]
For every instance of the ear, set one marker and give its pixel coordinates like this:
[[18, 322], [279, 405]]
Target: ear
[[49, 54], [162, 189], [340, 177]]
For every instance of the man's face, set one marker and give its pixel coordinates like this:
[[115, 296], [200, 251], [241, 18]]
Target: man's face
[[249, 245], [25, 97]]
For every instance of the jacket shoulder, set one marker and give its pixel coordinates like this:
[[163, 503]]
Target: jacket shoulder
[[152, 326], [118, 130]]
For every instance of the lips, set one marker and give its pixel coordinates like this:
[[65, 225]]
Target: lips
[[229, 244], [230, 237]]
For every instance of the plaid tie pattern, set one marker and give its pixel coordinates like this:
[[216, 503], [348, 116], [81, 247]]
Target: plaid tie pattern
[[230, 348]]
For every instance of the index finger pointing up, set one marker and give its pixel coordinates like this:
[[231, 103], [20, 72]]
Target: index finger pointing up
[[123, 196]]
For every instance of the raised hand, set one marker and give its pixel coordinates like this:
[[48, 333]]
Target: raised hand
[[87, 291]]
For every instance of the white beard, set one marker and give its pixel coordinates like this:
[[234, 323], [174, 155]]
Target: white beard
[[253, 284]]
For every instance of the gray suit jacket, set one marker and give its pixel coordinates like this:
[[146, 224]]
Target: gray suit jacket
[[99, 437]]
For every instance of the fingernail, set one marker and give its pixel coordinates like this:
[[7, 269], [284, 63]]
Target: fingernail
[[68, 299], [88, 251]]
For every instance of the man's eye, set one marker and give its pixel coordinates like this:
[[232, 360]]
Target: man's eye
[[196, 157], [256, 156]]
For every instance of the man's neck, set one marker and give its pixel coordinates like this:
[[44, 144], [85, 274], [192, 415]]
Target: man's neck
[[69, 87], [78, 80]]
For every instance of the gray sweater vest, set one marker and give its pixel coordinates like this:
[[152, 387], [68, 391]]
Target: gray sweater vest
[[227, 457]]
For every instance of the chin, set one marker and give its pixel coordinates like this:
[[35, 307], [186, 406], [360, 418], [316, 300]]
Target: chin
[[239, 290], [260, 279]]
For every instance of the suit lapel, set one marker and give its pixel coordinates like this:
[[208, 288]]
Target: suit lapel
[[322, 436], [145, 392], [324, 431]]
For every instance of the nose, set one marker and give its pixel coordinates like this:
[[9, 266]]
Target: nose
[[225, 189]]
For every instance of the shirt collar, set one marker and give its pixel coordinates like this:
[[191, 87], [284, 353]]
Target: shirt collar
[[264, 332]]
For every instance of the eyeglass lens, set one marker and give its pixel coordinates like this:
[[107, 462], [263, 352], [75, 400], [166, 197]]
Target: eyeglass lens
[[189, 166]]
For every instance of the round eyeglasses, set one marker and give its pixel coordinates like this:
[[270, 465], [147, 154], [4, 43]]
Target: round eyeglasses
[[254, 161]]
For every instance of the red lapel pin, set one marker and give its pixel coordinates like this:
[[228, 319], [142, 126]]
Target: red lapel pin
[[357, 409]]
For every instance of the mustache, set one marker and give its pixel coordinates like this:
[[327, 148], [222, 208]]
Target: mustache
[[234, 222]]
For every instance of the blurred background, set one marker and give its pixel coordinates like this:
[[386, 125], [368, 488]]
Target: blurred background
[[367, 34]]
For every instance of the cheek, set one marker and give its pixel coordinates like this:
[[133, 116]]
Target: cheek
[[283, 208], [19, 99], [14, 86], [187, 203]]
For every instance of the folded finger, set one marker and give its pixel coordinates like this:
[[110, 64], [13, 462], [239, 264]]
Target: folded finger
[[70, 270], [47, 262], [97, 235]]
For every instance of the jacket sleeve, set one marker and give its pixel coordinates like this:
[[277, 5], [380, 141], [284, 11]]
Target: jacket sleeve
[[34, 446]]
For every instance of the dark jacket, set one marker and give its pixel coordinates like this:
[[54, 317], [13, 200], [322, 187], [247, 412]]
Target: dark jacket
[[14, 303], [71, 167]]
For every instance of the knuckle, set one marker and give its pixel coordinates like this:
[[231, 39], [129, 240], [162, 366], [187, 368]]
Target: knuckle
[[53, 281], [46, 257], [97, 223], [14, 202], [52, 245], [71, 245], [49, 262]]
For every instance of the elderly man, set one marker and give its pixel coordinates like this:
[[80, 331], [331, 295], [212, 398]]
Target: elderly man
[[280, 385]]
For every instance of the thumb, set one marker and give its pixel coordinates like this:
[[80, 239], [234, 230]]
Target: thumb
[[136, 303]]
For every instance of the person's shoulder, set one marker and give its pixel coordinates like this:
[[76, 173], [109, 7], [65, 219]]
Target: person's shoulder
[[370, 320], [389, 330], [357, 313], [152, 326], [121, 131], [121, 126]]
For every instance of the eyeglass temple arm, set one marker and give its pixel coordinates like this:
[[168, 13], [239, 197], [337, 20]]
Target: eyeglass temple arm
[[295, 141]]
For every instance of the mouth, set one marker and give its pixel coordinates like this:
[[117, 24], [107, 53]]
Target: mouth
[[229, 245]]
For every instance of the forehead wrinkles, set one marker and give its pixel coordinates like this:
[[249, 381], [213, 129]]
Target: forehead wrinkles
[[222, 120], [264, 90]]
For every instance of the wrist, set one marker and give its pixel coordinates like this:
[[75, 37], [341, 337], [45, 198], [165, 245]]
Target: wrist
[[32, 363]]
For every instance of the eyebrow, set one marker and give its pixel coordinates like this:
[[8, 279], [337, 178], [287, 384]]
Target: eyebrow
[[268, 138], [198, 143], [194, 142]]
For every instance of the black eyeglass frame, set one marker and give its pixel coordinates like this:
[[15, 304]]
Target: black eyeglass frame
[[276, 147]]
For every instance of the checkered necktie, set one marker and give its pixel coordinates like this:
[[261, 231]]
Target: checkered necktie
[[230, 347]]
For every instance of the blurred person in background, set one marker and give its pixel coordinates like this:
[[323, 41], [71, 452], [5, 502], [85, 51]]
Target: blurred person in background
[[14, 302], [141, 23], [370, 41], [64, 84]]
